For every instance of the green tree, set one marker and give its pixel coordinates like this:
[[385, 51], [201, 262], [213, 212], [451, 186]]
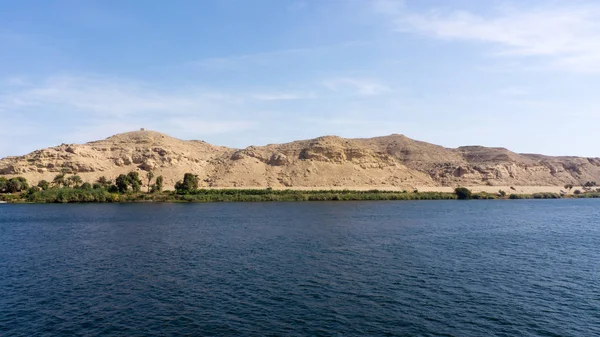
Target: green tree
[[463, 193], [59, 180], [86, 186], [122, 183], [23, 181], [158, 184], [13, 186], [134, 181], [103, 181], [43, 184], [149, 175], [17, 184], [32, 190], [189, 184], [588, 185], [75, 181], [3, 184]]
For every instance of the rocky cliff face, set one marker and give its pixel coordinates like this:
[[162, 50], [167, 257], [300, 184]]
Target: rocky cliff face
[[327, 162]]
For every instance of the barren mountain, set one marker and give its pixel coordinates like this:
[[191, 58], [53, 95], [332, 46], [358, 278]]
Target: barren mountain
[[393, 161]]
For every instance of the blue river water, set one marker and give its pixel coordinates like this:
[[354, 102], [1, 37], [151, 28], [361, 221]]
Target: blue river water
[[423, 268]]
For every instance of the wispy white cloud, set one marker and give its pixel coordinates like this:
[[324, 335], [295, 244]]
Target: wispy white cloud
[[357, 86], [266, 58], [109, 97], [566, 35], [235, 61], [94, 107]]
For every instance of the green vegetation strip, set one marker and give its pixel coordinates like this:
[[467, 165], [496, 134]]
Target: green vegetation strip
[[70, 195], [127, 188], [99, 195]]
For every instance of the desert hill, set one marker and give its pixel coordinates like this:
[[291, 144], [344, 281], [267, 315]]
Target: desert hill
[[394, 162]]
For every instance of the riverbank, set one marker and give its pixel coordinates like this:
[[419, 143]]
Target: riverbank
[[75, 195]]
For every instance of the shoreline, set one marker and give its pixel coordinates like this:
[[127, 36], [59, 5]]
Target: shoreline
[[78, 195]]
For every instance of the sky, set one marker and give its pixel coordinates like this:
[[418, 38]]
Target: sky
[[523, 75]]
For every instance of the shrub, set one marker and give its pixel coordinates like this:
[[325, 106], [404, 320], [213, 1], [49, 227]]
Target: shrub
[[103, 182], [43, 184], [546, 196], [483, 196], [189, 184], [32, 190], [65, 194], [588, 185], [577, 192], [463, 193]]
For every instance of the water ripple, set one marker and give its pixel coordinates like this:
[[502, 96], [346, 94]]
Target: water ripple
[[489, 268]]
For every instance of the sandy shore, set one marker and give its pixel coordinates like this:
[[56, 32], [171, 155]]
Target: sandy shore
[[480, 188], [507, 189]]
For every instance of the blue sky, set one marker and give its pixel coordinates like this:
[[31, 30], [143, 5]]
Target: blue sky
[[518, 74]]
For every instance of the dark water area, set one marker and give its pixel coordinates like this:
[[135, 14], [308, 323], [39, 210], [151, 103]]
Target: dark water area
[[423, 268]]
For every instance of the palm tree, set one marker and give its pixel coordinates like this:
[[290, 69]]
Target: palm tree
[[150, 175], [76, 180], [59, 180]]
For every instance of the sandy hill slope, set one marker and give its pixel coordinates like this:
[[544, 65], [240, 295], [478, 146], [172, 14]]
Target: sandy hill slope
[[393, 161]]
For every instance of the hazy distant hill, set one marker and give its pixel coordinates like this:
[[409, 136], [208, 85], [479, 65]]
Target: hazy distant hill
[[328, 162]]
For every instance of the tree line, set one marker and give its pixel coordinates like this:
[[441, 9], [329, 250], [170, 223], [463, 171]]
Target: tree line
[[128, 187], [122, 184]]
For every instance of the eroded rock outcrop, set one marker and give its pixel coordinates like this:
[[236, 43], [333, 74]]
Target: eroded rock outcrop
[[327, 162]]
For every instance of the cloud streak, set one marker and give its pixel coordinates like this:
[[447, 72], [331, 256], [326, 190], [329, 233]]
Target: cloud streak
[[357, 86], [284, 96], [566, 35], [107, 97], [235, 62]]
